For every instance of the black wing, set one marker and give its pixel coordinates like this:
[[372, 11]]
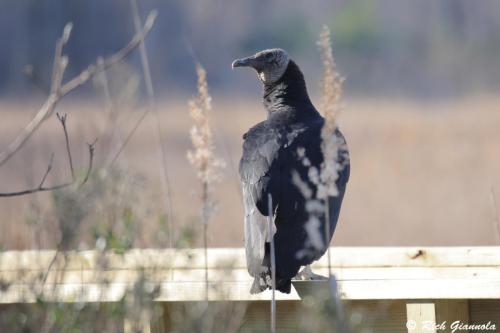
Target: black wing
[[260, 175]]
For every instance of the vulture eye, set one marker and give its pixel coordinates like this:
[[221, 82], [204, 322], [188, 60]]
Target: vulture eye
[[268, 56]]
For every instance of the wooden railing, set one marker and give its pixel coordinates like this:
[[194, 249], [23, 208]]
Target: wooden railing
[[419, 283]]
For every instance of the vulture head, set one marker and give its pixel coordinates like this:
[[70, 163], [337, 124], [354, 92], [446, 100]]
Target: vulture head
[[270, 64]]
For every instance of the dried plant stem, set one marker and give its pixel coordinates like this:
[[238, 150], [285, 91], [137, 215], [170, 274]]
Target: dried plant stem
[[331, 84], [51, 264], [327, 237], [202, 157], [110, 129], [273, 261], [143, 52], [151, 101], [129, 136], [332, 91], [342, 325], [103, 77], [496, 218], [205, 218]]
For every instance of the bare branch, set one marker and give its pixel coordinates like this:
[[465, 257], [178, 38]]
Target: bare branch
[[41, 187], [93, 69], [60, 61], [49, 105], [58, 90]]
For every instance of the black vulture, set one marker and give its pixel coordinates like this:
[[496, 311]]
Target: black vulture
[[271, 157]]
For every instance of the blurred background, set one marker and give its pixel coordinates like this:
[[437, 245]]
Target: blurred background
[[421, 115]]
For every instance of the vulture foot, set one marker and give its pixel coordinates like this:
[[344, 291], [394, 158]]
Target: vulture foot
[[307, 274]]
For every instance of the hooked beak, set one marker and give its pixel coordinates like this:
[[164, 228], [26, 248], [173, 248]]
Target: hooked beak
[[243, 62]]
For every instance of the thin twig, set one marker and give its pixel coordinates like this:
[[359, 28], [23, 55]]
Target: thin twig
[[273, 261], [59, 90], [62, 119], [34, 190], [91, 147], [129, 136], [49, 167]]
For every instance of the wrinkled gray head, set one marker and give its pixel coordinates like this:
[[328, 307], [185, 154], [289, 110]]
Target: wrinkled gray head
[[270, 64]]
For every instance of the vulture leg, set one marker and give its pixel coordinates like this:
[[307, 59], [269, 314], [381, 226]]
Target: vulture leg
[[307, 274]]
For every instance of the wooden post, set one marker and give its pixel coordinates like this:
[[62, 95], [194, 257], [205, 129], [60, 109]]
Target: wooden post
[[439, 315], [421, 317]]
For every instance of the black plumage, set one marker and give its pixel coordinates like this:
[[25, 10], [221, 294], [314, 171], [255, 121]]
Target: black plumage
[[270, 157]]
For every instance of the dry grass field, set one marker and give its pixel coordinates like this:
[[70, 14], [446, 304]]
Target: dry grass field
[[422, 172]]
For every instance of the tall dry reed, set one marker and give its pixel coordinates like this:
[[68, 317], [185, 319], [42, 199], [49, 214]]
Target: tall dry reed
[[331, 86], [202, 157]]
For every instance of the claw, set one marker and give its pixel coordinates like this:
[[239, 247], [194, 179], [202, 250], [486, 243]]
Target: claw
[[307, 274]]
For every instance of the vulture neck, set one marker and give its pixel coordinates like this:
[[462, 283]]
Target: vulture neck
[[288, 98]]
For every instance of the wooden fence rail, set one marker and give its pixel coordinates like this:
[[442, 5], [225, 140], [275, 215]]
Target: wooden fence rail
[[416, 284]]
